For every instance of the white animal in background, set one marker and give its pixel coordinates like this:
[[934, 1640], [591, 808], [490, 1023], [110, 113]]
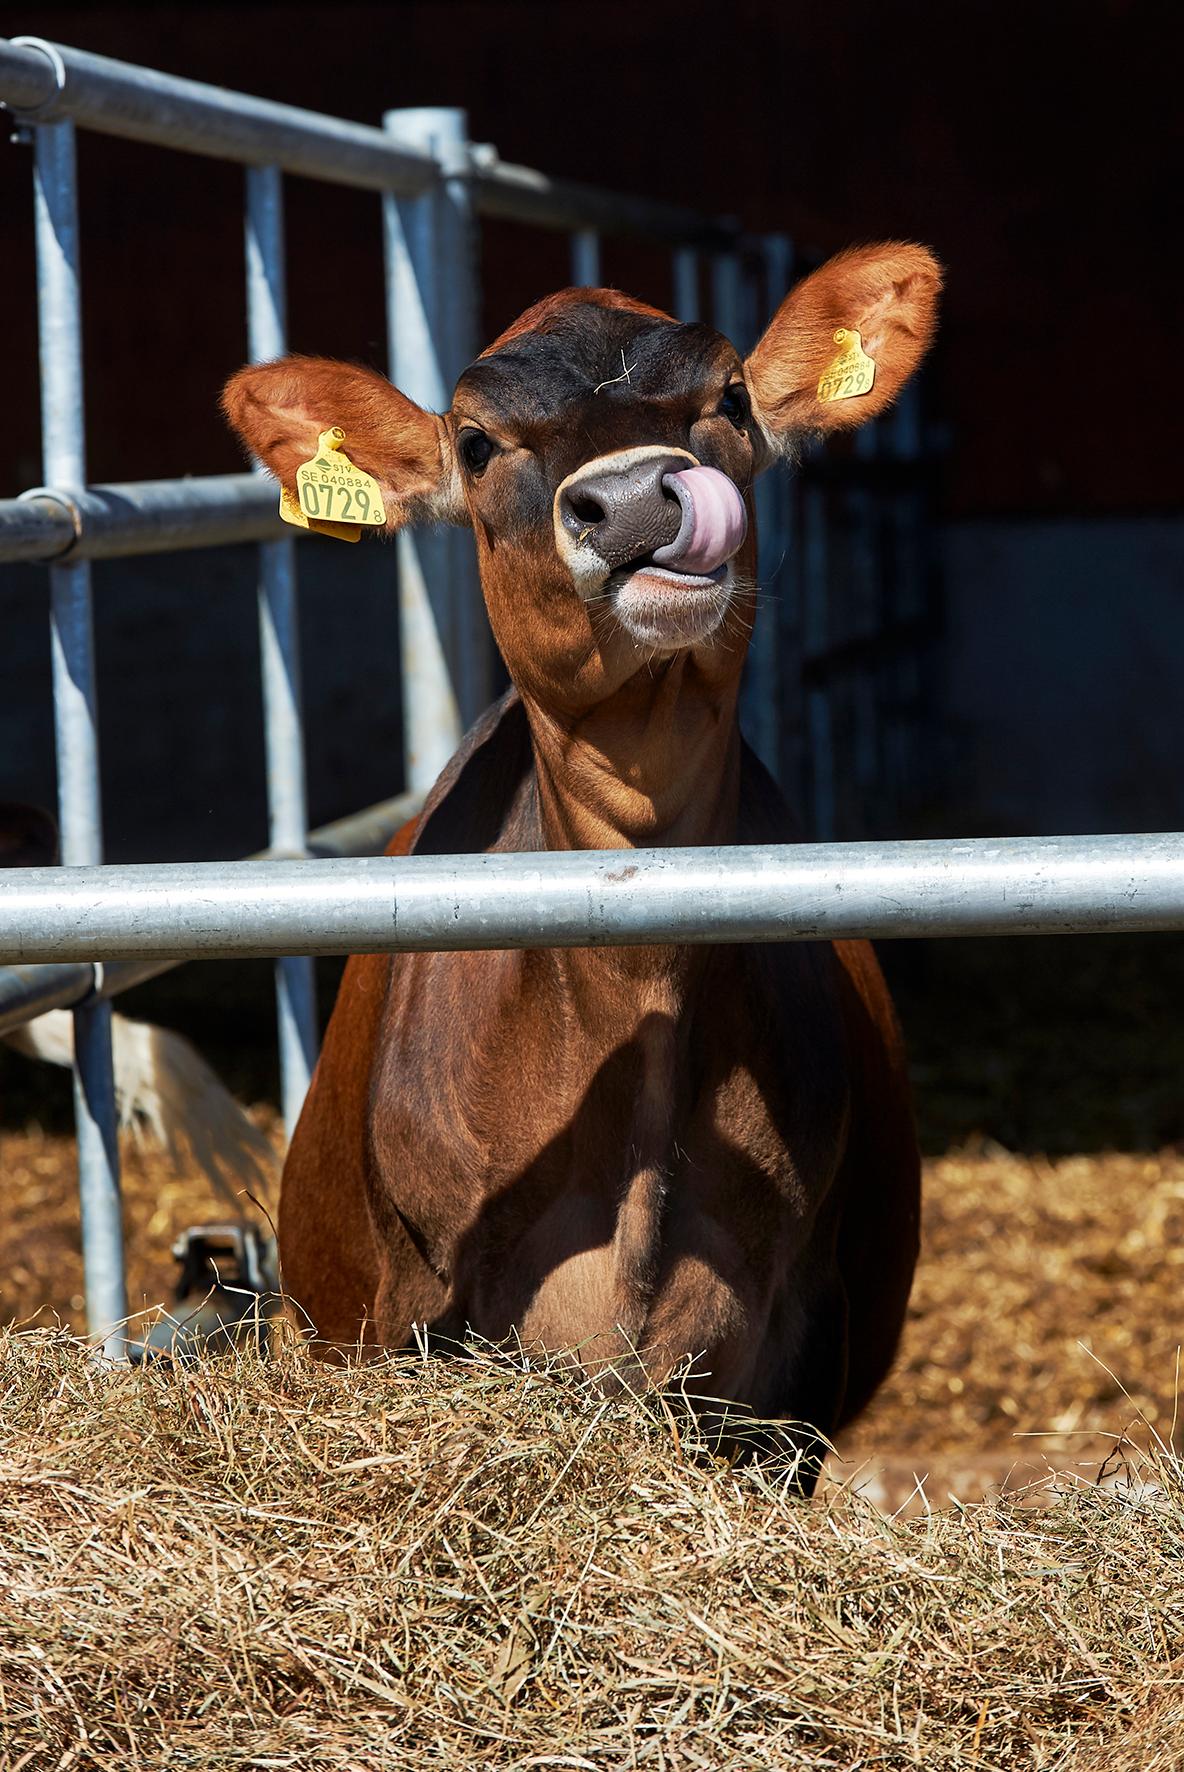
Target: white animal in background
[[167, 1095]]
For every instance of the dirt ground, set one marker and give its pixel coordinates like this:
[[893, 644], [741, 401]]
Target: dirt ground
[[1049, 1299]]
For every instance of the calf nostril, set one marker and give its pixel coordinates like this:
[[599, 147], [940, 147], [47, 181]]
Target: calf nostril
[[619, 510], [585, 508]]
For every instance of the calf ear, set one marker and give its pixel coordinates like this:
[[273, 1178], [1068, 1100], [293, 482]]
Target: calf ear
[[888, 294], [280, 409]]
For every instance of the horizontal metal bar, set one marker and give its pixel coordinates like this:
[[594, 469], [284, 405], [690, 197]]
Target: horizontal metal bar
[[144, 105], [1062, 885], [28, 991], [141, 104], [35, 527], [28, 77], [139, 517], [519, 193], [50, 80]]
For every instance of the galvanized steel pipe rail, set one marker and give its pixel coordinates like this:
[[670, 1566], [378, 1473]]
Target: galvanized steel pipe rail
[[138, 517], [47, 81], [1050, 885], [63, 462], [28, 991]]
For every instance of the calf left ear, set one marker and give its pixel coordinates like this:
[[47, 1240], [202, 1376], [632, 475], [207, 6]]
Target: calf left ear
[[280, 409], [888, 294]]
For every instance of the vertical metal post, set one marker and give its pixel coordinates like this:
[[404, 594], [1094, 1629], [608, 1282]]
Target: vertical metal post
[[779, 262], [768, 677], [727, 298], [279, 645], [758, 709], [816, 643], [906, 594], [822, 765], [585, 259], [906, 423], [432, 326], [75, 716], [686, 284]]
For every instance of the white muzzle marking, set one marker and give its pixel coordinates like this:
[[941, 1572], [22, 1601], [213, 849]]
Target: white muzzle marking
[[589, 570], [663, 609]]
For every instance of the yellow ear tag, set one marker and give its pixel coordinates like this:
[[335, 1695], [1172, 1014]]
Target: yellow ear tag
[[851, 372], [332, 494], [291, 513]]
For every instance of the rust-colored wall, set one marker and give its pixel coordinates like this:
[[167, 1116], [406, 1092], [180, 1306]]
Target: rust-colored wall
[[1029, 145]]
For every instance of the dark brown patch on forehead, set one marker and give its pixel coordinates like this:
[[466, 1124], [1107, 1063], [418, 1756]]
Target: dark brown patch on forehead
[[587, 355], [580, 375]]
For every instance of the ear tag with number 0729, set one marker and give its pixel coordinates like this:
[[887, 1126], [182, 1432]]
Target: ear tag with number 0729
[[333, 496], [849, 373]]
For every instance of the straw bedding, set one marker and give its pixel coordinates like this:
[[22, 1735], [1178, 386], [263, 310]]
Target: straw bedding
[[437, 1563], [441, 1563]]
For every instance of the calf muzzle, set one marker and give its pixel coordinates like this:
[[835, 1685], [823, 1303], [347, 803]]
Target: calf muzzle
[[624, 513], [650, 507]]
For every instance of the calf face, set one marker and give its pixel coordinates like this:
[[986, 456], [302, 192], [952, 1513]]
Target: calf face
[[603, 454]]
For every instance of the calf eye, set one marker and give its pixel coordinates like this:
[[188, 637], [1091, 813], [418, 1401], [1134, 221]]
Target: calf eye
[[476, 449], [734, 405]]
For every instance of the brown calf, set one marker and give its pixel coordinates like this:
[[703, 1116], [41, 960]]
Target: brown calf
[[685, 1153]]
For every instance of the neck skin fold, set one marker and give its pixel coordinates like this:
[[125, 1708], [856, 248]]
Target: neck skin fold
[[651, 761], [657, 763]]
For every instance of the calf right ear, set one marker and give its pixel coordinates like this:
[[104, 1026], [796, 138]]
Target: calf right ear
[[888, 294], [280, 409]]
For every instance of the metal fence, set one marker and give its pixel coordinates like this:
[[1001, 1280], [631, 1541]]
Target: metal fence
[[81, 936], [435, 186]]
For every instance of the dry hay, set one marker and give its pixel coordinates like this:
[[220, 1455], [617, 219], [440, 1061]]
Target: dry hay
[[468, 1564], [446, 1563]]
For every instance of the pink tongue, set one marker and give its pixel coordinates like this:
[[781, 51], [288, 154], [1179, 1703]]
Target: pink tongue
[[714, 521]]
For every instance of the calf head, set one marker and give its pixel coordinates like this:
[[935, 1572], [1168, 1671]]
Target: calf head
[[604, 455]]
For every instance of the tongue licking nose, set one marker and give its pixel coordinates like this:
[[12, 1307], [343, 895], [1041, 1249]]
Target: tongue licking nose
[[714, 522]]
